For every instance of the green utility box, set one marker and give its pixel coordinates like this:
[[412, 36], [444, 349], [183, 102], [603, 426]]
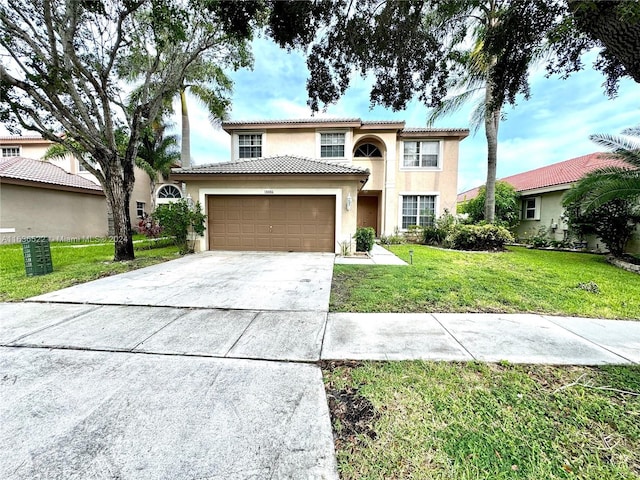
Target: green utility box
[[37, 256]]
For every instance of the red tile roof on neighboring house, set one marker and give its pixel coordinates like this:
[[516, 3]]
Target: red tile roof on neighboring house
[[41, 172], [561, 173], [279, 165]]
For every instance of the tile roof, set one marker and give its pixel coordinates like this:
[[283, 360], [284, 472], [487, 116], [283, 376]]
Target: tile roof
[[561, 173], [428, 129], [289, 121], [38, 171], [278, 165]]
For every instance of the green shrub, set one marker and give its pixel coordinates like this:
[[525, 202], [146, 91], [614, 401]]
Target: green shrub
[[437, 234], [507, 211], [478, 237], [396, 239], [365, 237], [179, 219]]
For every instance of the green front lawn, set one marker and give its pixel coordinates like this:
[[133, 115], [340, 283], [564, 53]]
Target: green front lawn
[[73, 263], [423, 420], [518, 280]]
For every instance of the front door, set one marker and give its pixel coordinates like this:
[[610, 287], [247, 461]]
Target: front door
[[368, 212]]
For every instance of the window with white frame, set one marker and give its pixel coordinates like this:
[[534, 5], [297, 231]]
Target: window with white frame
[[531, 208], [421, 154], [10, 152], [332, 145], [418, 210], [250, 145], [169, 192], [140, 209]]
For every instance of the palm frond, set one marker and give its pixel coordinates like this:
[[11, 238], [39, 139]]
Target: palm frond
[[451, 105]]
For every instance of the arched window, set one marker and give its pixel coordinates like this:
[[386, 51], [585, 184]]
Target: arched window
[[367, 150], [169, 191]]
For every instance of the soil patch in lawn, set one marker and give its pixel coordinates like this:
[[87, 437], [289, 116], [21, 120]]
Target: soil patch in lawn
[[352, 414]]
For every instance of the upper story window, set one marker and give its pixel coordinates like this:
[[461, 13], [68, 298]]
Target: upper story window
[[421, 154], [10, 152], [332, 145], [367, 150], [250, 145]]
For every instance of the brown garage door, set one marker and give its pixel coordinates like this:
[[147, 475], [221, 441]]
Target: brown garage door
[[271, 223]]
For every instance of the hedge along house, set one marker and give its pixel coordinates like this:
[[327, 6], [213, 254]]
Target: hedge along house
[[541, 191], [306, 185]]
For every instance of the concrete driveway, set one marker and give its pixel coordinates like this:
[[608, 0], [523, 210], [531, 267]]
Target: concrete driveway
[[230, 280], [117, 378]]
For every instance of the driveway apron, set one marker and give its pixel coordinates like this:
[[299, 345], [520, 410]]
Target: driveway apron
[[165, 372]]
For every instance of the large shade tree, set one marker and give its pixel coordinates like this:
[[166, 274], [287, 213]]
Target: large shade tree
[[426, 49], [63, 70]]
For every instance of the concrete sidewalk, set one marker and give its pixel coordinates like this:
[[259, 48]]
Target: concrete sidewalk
[[315, 335]]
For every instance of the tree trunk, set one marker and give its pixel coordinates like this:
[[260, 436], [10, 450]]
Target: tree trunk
[[491, 122], [186, 132], [118, 184]]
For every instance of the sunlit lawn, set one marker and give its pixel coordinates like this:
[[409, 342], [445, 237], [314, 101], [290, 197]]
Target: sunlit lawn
[[518, 280], [73, 263], [482, 421]]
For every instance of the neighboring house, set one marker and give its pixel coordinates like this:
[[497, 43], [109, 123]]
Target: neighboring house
[[306, 185], [541, 192], [141, 198], [38, 198]]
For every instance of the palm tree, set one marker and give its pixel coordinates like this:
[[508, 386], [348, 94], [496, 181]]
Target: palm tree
[[477, 83], [157, 153], [614, 182], [211, 87]]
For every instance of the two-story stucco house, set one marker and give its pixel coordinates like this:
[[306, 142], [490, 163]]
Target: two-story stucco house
[[306, 185]]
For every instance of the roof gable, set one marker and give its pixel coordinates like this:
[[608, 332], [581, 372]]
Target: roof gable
[[277, 165], [42, 172], [557, 174]]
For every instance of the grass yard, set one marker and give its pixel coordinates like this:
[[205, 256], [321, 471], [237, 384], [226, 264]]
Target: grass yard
[[518, 280], [73, 263], [460, 421]]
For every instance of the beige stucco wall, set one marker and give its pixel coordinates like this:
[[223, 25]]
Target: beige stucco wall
[[141, 193], [442, 182], [56, 214], [346, 221], [386, 175]]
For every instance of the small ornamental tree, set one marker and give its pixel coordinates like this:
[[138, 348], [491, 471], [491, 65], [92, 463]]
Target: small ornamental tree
[[507, 212], [179, 220], [613, 222]]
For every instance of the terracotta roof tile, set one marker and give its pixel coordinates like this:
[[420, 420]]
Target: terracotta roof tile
[[27, 169], [561, 173], [279, 165]]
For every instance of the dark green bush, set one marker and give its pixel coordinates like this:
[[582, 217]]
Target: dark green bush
[[478, 237], [437, 234], [365, 237]]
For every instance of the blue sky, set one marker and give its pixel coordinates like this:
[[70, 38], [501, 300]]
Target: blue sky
[[552, 126]]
